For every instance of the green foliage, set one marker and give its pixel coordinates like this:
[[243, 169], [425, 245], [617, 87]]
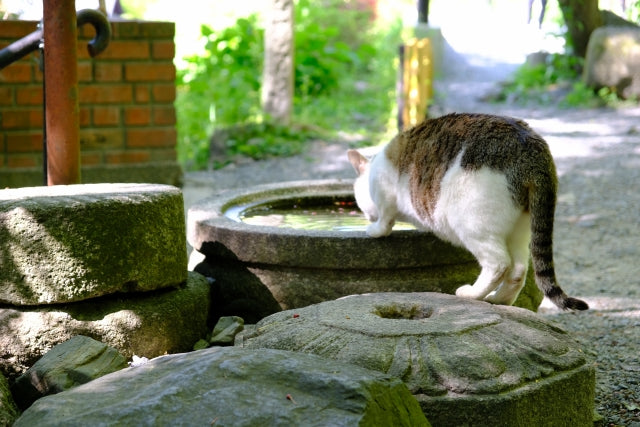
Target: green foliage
[[328, 45], [219, 87], [530, 80], [363, 106], [558, 81], [259, 141], [581, 95], [343, 84]]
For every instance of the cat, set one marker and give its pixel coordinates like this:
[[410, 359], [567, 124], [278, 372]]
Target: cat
[[486, 183]]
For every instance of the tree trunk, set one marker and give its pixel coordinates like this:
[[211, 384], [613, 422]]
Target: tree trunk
[[582, 17], [277, 78]]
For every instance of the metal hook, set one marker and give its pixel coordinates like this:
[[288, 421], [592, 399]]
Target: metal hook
[[102, 27], [33, 41]]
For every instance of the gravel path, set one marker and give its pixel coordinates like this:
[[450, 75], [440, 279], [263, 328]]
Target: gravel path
[[597, 252]]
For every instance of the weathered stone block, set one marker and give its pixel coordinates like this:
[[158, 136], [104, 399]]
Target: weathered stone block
[[69, 243], [467, 362], [234, 387], [146, 324], [69, 364], [613, 60]]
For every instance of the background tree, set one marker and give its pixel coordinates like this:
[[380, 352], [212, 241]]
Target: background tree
[[581, 17], [277, 77]]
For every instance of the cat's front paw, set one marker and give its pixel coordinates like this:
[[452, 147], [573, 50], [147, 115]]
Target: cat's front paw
[[376, 229], [465, 291]]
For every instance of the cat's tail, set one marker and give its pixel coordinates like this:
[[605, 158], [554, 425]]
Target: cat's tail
[[542, 203]]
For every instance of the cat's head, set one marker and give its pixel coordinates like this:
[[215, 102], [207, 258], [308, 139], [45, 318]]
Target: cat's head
[[361, 191]]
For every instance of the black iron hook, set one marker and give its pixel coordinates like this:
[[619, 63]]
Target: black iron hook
[[31, 42], [102, 26]]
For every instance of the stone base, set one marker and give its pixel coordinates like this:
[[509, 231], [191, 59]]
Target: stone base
[[467, 362], [145, 324], [556, 401]]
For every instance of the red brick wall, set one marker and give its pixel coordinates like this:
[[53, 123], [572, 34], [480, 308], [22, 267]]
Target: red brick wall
[[126, 95]]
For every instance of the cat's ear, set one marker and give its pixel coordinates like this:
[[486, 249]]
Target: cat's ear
[[358, 161]]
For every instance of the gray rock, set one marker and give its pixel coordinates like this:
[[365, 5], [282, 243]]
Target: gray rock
[[146, 324], [8, 410], [225, 331], [467, 362], [69, 364], [69, 243], [228, 386], [613, 60]]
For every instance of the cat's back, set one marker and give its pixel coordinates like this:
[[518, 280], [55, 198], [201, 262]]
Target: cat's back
[[497, 142], [471, 142]]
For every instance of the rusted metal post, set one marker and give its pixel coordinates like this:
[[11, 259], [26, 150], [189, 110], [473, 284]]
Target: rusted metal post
[[60, 73]]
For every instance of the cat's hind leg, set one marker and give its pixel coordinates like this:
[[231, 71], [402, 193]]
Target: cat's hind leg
[[518, 246], [495, 262]]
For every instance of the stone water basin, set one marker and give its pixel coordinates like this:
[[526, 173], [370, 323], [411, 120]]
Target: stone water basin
[[288, 245]]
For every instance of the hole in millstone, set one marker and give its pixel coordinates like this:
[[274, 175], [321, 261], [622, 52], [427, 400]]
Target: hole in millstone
[[407, 312]]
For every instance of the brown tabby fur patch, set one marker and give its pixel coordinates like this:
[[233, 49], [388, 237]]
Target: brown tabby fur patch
[[426, 151]]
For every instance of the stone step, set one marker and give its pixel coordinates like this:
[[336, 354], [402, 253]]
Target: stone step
[[62, 244]]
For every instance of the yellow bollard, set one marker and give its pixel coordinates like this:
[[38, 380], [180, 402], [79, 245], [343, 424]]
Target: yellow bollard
[[416, 82]]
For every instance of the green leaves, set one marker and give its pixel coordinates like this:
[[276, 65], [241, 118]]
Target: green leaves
[[344, 75]]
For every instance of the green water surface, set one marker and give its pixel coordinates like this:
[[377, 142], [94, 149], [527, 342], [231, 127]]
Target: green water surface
[[336, 214]]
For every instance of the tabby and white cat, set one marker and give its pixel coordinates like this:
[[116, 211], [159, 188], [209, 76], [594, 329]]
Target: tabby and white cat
[[486, 183]]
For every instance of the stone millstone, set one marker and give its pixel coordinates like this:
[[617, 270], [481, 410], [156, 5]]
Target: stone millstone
[[146, 324], [467, 362], [233, 387], [69, 243]]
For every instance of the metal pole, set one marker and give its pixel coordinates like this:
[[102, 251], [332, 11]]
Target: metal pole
[[423, 11], [400, 88], [60, 73]]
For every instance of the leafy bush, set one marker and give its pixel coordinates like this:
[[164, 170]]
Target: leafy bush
[[558, 81], [529, 80], [220, 87], [328, 44], [342, 81]]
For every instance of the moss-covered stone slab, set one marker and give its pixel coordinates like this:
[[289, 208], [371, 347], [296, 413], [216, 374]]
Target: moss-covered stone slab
[[69, 243], [234, 387], [467, 362], [146, 324]]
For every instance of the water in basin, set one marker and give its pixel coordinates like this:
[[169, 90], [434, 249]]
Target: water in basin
[[316, 213]]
